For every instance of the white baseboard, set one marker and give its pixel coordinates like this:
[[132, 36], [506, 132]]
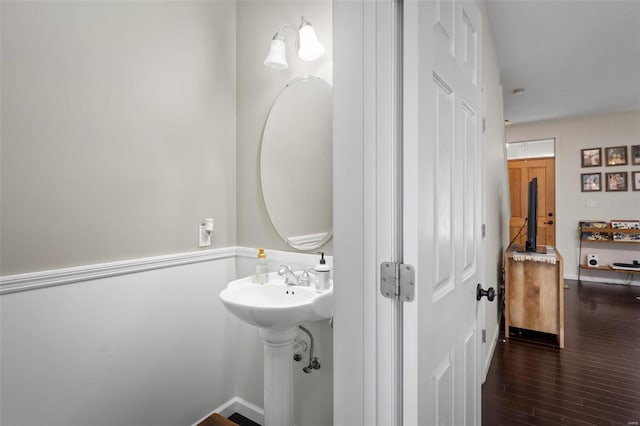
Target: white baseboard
[[250, 411], [240, 406], [228, 408], [487, 361]]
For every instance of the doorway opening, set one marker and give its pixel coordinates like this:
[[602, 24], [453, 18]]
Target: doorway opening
[[528, 160]]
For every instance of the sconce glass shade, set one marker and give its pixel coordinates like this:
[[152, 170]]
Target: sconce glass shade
[[309, 48], [277, 57]]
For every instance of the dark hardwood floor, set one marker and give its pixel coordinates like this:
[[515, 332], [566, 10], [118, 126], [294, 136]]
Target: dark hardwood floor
[[594, 380]]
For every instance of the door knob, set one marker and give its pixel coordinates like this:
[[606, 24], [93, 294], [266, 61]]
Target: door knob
[[490, 293], [549, 223]]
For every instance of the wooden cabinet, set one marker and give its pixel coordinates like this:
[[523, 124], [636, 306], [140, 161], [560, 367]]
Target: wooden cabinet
[[534, 292]]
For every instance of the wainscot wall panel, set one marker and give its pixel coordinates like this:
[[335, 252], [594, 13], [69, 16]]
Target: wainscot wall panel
[[154, 347]]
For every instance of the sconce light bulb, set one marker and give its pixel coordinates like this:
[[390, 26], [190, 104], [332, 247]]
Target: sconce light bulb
[[309, 48], [277, 57]]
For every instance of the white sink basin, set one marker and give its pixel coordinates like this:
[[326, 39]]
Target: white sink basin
[[276, 305]]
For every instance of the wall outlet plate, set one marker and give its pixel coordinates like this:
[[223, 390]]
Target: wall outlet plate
[[204, 236]]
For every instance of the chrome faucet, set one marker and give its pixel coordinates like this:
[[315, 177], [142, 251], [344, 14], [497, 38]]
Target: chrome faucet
[[289, 277]]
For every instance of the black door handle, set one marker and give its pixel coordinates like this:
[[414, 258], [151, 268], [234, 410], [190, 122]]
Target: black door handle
[[549, 223], [490, 293]]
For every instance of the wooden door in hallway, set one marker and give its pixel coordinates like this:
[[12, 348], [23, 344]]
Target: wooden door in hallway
[[520, 173]]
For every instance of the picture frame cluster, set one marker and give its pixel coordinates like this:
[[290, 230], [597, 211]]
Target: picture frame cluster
[[613, 156]]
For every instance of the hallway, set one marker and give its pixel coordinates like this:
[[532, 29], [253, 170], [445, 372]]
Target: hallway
[[595, 380]]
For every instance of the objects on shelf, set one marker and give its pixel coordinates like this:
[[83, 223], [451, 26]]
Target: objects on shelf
[[624, 225], [593, 233], [617, 230]]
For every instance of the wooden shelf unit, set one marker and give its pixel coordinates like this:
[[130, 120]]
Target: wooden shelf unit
[[609, 268], [613, 241], [609, 231]]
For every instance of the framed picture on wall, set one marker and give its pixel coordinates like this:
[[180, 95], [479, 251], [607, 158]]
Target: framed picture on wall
[[591, 157], [635, 177], [635, 155], [616, 181], [590, 182], [616, 155]]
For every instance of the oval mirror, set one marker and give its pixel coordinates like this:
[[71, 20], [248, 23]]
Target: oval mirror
[[295, 163]]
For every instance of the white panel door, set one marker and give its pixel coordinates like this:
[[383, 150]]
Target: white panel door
[[442, 211]]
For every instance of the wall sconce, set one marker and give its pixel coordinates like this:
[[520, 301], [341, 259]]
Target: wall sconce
[[307, 44]]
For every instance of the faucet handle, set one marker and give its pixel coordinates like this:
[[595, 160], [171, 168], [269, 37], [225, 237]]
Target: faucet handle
[[307, 276], [283, 269]]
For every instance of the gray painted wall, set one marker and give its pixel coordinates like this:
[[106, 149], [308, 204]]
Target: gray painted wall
[[497, 208], [258, 87], [573, 135], [118, 130], [118, 138]]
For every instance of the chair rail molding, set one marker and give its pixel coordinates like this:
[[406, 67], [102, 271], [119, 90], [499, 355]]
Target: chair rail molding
[[42, 279], [55, 277]]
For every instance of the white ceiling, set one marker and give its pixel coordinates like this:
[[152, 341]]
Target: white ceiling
[[572, 57]]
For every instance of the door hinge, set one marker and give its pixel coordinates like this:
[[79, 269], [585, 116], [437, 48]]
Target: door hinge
[[397, 281], [484, 335], [484, 124]]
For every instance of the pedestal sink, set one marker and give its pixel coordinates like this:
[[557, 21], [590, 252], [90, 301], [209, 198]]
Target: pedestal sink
[[277, 309]]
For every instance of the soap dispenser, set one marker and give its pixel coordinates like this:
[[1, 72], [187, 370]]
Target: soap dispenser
[[262, 269], [324, 274]]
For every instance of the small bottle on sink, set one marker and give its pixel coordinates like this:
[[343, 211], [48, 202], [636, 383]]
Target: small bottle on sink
[[262, 269], [323, 272]]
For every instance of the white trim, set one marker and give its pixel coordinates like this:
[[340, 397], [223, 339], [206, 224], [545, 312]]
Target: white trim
[[383, 159], [226, 409], [542, 148], [240, 406], [487, 361], [250, 411], [55, 277], [42, 279], [605, 280], [354, 246]]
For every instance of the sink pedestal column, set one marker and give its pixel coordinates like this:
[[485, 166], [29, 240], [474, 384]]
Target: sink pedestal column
[[278, 375]]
